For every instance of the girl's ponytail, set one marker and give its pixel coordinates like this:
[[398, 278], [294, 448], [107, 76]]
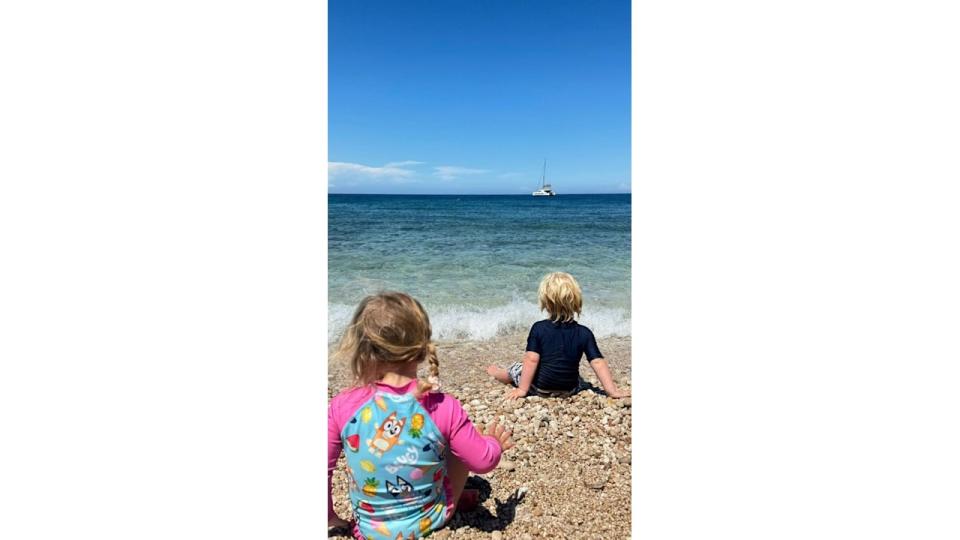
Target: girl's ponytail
[[432, 384]]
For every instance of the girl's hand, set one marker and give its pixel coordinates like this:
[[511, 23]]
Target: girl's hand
[[516, 393], [501, 434], [619, 394]]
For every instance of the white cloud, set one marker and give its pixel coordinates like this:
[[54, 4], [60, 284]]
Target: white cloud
[[450, 172], [391, 171], [403, 163], [399, 172]]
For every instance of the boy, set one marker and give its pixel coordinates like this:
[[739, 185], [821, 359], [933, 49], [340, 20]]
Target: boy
[[555, 346]]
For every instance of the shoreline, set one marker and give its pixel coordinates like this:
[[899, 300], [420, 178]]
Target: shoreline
[[572, 456], [503, 320]]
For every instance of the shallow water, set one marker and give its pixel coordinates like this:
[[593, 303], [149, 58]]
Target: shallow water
[[475, 261]]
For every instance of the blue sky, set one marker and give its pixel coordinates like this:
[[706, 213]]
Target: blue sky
[[459, 96]]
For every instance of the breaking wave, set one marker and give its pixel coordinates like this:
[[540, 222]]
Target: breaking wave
[[475, 323]]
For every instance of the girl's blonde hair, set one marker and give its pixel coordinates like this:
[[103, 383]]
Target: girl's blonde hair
[[390, 327], [560, 295]]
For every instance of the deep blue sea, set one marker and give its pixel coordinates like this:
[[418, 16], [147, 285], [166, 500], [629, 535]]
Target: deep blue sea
[[475, 261]]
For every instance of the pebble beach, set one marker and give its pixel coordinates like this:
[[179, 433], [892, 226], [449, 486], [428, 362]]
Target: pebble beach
[[568, 475]]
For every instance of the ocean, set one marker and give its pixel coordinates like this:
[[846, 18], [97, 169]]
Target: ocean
[[474, 261]]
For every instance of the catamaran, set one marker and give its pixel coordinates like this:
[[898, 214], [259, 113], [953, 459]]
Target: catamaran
[[545, 189]]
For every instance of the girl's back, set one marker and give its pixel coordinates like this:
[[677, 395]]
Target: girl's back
[[396, 452], [408, 449]]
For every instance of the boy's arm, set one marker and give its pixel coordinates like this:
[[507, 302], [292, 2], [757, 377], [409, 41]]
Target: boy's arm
[[602, 369], [530, 361]]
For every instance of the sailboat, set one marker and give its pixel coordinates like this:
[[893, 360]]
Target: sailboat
[[545, 189]]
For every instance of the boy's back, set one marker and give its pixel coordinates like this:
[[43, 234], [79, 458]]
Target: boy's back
[[556, 345], [561, 346]]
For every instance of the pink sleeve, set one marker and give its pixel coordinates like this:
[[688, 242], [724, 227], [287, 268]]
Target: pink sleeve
[[479, 453], [334, 447]]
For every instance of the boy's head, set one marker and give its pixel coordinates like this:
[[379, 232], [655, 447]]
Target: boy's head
[[560, 295]]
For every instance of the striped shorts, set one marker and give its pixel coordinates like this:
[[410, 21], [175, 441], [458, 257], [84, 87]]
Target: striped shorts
[[517, 367]]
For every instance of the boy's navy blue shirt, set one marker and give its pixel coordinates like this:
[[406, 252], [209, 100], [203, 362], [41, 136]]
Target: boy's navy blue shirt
[[560, 346]]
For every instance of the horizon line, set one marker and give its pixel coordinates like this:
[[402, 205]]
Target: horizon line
[[484, 194]]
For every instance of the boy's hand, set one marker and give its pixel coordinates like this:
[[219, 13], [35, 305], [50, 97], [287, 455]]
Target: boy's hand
[[501, 434], [516, 393], [620, 393]]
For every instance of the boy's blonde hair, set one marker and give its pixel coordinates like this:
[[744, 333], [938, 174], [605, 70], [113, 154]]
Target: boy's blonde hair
[[390, 327], [560, 295]]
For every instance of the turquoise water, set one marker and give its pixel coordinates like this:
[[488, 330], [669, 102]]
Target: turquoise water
[[475, 261]]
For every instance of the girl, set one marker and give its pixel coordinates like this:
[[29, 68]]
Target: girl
[[551, 365], [409, 448]]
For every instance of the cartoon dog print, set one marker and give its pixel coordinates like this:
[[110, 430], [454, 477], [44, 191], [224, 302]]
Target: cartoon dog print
[[387, 436]]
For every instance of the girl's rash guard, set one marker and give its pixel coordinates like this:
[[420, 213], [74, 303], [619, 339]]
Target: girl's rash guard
[[479, 453]]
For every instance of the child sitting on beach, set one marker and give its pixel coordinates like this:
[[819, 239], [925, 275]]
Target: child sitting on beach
[[551, 365], [409, 447]]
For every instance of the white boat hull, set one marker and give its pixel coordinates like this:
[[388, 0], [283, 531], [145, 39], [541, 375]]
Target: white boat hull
[[546, 190]]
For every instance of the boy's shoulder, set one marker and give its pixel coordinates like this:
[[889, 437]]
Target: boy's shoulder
[[584, 328], [541, 324], [547, 324]]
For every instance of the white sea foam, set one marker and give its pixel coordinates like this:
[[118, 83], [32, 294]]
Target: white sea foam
[[464, 322]]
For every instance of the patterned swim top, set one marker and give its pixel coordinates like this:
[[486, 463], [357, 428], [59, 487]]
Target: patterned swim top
[[396, 466]]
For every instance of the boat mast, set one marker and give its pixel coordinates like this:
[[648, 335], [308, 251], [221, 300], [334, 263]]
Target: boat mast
[[543, 178]]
